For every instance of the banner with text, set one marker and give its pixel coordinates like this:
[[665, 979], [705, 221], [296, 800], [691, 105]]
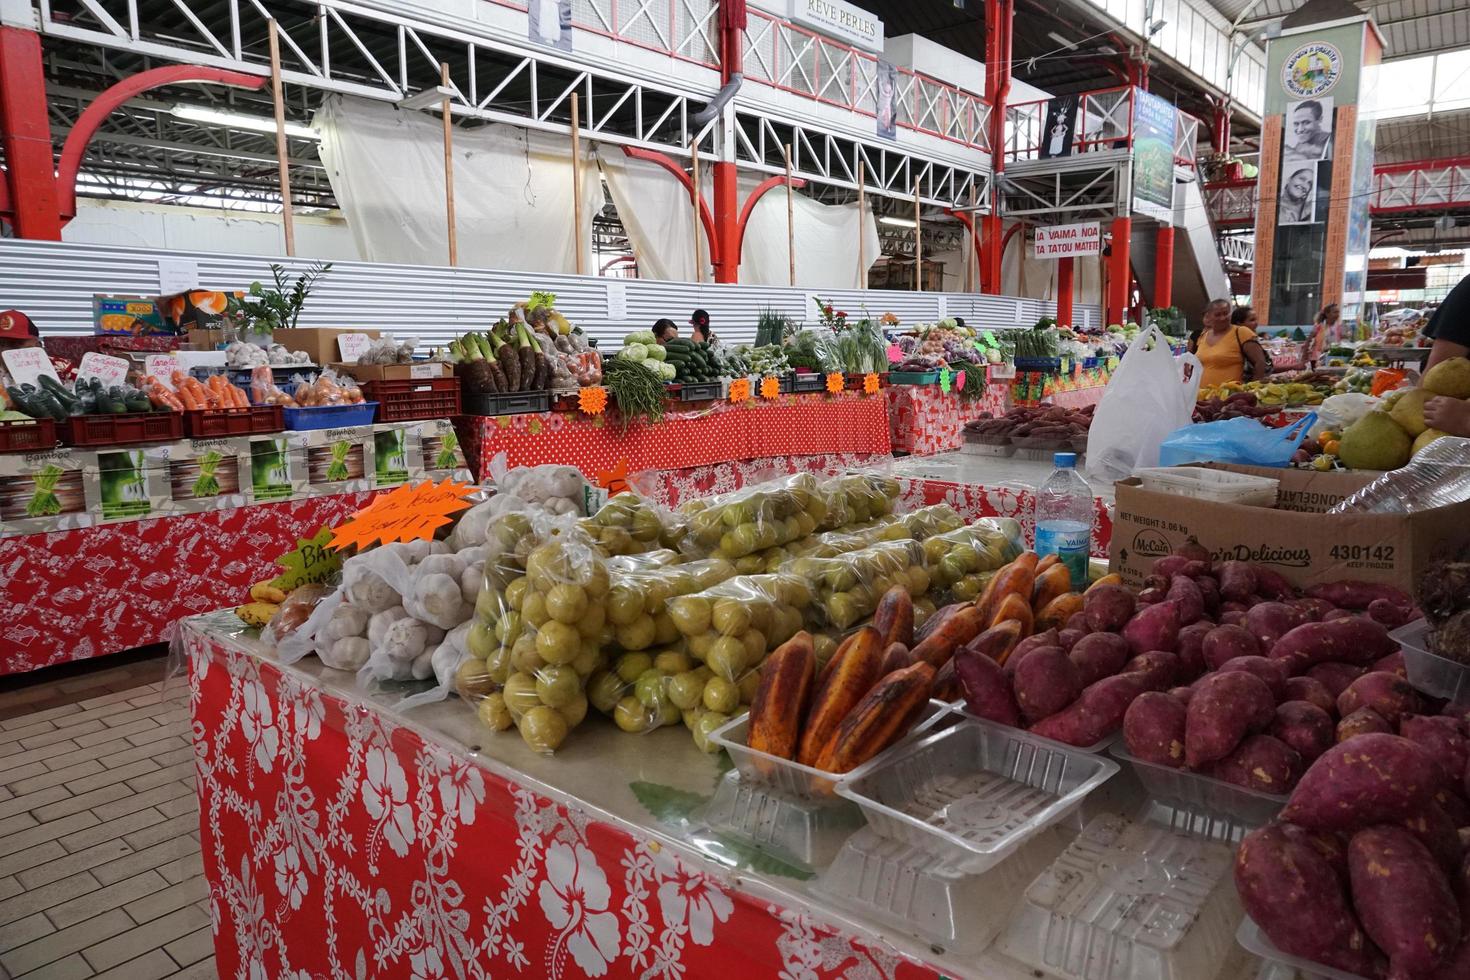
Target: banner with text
[[1065, 241]]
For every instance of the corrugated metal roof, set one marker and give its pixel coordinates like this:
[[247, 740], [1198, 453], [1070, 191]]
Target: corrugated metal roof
[[1410, 27], [1419, 138]]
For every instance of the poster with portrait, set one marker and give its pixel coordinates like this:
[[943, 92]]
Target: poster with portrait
[[886, 94], [1060, 128], [1308, 135], [1296, 204], [551, 23]]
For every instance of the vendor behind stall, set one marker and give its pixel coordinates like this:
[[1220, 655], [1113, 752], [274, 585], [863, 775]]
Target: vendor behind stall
[[1449, 328], [665, 330], [1225, 349], [18, 331]]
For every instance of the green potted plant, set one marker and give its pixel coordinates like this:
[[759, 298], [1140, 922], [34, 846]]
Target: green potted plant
[[263, 310]]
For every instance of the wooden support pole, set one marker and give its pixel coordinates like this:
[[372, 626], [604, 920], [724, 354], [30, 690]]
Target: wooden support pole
[[790, 223], [862, 225], [449, 167], [694, 199], [918, 239], [577, 181], [282, 153]]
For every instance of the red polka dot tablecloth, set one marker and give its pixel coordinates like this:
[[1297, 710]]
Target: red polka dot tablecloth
[[922, 419], [715, 432]]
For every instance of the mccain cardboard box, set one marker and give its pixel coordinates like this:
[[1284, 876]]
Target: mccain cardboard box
[[319, 342], [1297, 538]]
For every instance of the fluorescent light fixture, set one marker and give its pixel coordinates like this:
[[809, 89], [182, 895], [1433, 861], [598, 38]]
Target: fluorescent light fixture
[[238, 120], [1069, 45], [897, 222], [429, 98], [1155, 27]]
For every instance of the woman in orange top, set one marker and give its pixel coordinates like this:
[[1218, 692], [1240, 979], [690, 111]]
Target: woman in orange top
[[1225, 349]]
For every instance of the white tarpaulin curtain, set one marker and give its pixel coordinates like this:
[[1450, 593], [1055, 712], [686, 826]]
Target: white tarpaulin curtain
[[655, 210], [512, 189]]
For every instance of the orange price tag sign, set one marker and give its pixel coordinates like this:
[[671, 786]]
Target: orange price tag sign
[[870, 383], [835, 382], [614, 481], [740, 390], [411, 512], [770, 387]]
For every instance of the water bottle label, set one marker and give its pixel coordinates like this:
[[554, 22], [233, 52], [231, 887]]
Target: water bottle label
[[1071, 546]]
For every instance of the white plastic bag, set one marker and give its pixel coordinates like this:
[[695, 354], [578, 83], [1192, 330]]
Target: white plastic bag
[[1148, 397], [1340, 411]]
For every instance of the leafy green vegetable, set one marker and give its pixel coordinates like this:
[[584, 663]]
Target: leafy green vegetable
[[639, 393], [206, 485]]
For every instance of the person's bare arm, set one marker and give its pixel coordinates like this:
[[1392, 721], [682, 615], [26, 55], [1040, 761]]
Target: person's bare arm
[[1257, 357], [1443, 350], [1449, 415]]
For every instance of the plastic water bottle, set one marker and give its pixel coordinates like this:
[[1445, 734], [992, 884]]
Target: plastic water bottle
[[1439, 475], [1064, 513]]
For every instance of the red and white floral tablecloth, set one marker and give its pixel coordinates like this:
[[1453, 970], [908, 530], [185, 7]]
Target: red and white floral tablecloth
[[922, 419], [88, 592], [672, 487], [338, 841], [716, 432]]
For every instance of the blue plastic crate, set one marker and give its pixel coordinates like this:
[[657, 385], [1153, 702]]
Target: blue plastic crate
[[330, 416]]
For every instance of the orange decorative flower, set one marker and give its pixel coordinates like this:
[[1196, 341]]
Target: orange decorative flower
[[592, 400], [740, 390], [770, 387], [834, 382], [870, 383]]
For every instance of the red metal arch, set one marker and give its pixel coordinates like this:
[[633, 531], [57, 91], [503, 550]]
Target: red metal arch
[[673, 166], [91, 120], [769, 184]]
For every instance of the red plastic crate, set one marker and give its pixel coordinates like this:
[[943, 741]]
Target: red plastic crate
[[37, 435], [119, 430], [216, 423], [414, 398]]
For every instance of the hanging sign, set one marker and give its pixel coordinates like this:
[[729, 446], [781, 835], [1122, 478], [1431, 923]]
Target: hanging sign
[[1065, 241], [839, 19]]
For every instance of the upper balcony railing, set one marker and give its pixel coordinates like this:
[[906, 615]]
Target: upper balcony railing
[[1398, 188], [1104, 122]]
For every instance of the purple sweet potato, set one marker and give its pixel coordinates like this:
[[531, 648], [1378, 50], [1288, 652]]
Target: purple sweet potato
[[1390, 615], [1362, 722], [1191, 649], [1270, 621], [1445, 741], [1266, 669], [1079, 622], [1237, 580], [1351, 641], [1336, 677], [1108, 608], [1232, 617], [1272, 584], [1160, 667], [1169, 566], [1373, 778], [1437, 832], [1050, 638], [1150, 597], [1095, 715], [1225, 708], [1454, 806], [1330, 844], [1388, 694], [1358, 595], [1457, 966], [1224, 643], [1067, 639], [1261, 763], [1392, 664], [1333, 615], [1296, 897], [987, 690], [1305, 727], [1099, 655], [1046, 682], [1310, 690], [1404, 899], [1181, 694], [1209, 591], [1188, 603], [1312, 610], [1153, 729]]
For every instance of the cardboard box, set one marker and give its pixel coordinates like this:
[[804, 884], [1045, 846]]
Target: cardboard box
[[127, 316], [1296, 538], [319, 342], [201, 309], [395, 372]]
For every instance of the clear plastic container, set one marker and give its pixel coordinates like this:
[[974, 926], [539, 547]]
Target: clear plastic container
[[908, 889], [1199, 794], [1129, 900], [1436, 676], [973, 793], [1436, 477], [1220, 486], [1255, 942]]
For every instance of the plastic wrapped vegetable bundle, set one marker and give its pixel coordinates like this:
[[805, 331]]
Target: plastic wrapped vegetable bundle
[[848, 587], [558, 489], [856, 498], [929, 521], [627, 525], [755, 518], [962, 561], [730, 628], [830, 544]]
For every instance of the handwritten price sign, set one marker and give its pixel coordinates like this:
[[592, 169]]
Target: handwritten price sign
[[109, 370], [411, 512]]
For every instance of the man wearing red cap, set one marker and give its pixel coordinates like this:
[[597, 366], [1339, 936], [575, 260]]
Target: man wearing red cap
[[18, 331]]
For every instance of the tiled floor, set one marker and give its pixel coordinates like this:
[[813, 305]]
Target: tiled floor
[[100, 874]]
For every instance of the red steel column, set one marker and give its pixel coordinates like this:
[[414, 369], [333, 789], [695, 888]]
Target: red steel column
[[25, 132], [1120, 275], [1064, 292], [1164, 267], [999, 16], [727, 197]]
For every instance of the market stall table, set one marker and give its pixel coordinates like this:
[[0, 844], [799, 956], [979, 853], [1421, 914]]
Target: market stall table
[[924, 419], [702, 434], [342, 838]]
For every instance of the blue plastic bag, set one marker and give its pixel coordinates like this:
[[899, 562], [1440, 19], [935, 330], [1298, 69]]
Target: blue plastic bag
[[1243, 441]]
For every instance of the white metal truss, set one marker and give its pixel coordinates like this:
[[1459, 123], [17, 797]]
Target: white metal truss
[[1093, 185], [1431, 185], [840, 161], [1232, 203], [1238, 250]]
